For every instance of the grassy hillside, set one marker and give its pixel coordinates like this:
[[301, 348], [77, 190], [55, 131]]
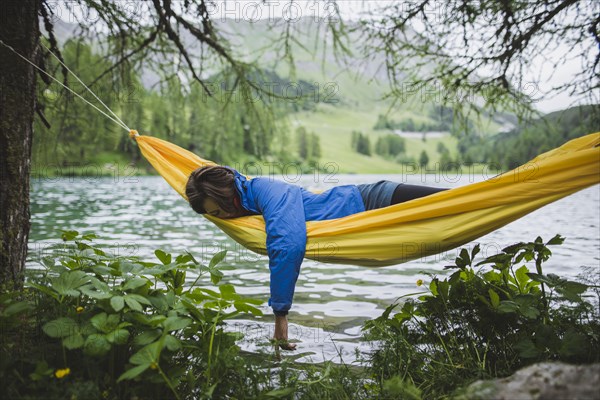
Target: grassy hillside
[[334, 125]]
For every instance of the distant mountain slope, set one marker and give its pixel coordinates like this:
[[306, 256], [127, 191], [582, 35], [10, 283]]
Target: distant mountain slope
[[517, 146]]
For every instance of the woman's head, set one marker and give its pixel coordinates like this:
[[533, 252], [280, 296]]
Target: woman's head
[[211, 190]]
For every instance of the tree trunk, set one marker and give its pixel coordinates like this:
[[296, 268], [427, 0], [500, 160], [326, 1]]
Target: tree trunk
[[19, 28]]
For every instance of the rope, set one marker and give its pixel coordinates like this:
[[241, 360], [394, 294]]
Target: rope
[[85, 86], [116, 121]]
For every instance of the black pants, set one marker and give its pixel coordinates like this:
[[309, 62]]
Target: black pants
[[406, 192]]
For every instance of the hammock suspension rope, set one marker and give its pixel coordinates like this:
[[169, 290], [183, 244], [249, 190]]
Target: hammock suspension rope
[[115, 119]]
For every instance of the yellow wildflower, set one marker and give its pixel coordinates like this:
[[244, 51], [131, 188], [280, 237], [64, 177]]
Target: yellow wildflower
[[153, 365], [79, 310], [420, 282], [61, 373]]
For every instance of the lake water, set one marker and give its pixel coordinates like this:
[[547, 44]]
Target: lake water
[[136, 215]]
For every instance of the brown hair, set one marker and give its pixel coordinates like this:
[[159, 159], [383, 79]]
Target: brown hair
[[215, 182]]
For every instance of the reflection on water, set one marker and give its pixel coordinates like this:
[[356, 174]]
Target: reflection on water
[[138, 215]]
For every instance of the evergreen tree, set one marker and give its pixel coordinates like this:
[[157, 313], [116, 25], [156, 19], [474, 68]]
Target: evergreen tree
[[315, 147], [423, 159], [302, 142]]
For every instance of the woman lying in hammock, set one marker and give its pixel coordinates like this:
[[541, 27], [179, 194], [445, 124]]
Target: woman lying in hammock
[[224, 193]]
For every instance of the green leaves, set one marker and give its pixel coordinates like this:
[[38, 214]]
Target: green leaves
[[60, 327], [67, 283], [494, 298], [163, 257], [117, 303], [570, 290], [110, 305], [484, 320]]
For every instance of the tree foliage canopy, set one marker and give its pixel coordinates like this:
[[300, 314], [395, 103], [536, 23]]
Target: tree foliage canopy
[[482, 55]]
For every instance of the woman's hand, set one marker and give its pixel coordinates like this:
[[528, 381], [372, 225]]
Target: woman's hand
[[281, 333]]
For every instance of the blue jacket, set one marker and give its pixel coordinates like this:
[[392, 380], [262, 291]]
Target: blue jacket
[[285, 209]]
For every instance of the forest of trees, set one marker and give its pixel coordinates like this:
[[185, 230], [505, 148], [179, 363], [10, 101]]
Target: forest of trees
[[510, 149], [220, 129], [309, 145], [360, 143], [390, 146], [442, 118]]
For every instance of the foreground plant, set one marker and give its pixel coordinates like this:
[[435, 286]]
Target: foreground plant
[[108, 320], [485, 320]]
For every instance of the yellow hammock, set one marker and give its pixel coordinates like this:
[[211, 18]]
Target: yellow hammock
[[417, 228]]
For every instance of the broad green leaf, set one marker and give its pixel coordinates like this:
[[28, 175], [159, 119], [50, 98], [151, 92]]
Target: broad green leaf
[[529, 312], [75, 341], [48, 262], [228, 292], [215, 276], [556, 240], [101, 269], [244, 307], [507, 306], [163, 257], [135, 283], [118, 336], [492, 276], [99, 321], [172, 343], [209, 292], [433, 287], [89, 236], [443, 289], [60, 327], [104, 322], [43, 289], [495, 299], [89, 291], [475, 251], [146, 337], [158, 301], [217, 258], [69, 235], [540, 278], [574, 344], [68, 283], [96, 345], [117, 303], [522, 277], [184, 258], [527, 349], [176, 323], [139, 298], [575, 287], [16, 308], [133, 304], [464, 255], [42, 371], [147, 354], [133, 372], [572, 290]]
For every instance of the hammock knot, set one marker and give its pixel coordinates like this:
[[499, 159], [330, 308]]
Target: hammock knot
[[133, 133]]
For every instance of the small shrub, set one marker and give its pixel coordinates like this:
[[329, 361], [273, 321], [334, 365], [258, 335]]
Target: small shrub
[[91, 323], [485, 320]]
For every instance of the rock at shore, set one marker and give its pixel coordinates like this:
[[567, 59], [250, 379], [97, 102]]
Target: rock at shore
[[543, 381]]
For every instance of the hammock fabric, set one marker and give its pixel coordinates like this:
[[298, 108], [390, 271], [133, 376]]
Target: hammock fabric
[[417, 228]]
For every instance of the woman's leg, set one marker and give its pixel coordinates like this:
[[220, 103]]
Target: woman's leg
[[406, 192]]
